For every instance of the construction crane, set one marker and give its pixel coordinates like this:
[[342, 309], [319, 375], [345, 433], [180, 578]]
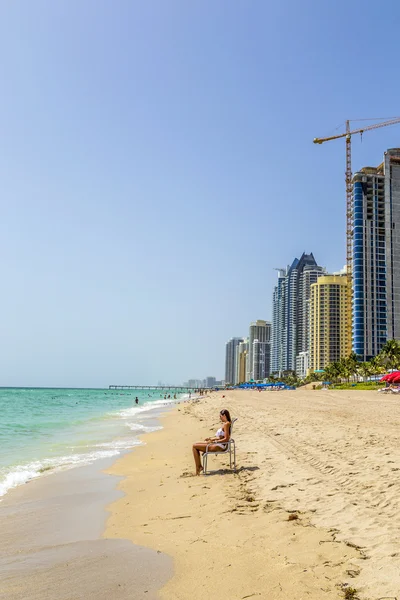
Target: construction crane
[[349, 210]]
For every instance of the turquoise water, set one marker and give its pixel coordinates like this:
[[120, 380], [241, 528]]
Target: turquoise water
[[51, 429]]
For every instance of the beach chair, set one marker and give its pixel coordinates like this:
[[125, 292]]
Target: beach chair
[[230, 449]]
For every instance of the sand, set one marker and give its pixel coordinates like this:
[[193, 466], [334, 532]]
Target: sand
[[51, 545], [331, 458]]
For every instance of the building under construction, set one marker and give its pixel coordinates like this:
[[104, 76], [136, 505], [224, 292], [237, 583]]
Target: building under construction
[[368, 343], [376, 255]]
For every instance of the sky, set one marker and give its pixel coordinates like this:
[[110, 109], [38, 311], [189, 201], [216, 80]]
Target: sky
[[157, 164]]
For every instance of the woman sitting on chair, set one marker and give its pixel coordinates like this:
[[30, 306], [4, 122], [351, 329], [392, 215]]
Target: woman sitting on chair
[[221, 437]]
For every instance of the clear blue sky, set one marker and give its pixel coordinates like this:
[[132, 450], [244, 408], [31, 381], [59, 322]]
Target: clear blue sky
[[156, 164]]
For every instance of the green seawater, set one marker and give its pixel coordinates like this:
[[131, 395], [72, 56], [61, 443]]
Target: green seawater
[[44, 429]]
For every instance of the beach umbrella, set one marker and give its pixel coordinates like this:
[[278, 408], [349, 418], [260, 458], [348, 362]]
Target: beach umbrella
[[384, 378], [392, 376], [395, 379]]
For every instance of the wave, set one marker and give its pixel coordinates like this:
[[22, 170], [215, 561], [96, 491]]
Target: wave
[[139, 428], [20, 474], [120, 444], [136, 410], [13, 476]]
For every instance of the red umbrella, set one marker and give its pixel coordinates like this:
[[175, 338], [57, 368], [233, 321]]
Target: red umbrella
[[395, 379], [392, 376], [384, 378]]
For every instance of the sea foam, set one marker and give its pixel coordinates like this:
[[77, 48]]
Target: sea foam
[[20, 474]]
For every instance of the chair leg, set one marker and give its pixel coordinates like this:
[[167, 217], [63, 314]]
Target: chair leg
[[205, 463]]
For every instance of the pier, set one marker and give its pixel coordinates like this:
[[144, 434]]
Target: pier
[[153, 387]]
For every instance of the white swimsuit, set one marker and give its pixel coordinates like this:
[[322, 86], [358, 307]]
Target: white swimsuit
[[221, 434]]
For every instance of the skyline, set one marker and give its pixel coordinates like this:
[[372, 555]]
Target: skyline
[[146, 148]]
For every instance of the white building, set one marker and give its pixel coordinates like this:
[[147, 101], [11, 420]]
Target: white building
[[278, 320], [230, 359], [261, 357], [260, 331], [302, 364]]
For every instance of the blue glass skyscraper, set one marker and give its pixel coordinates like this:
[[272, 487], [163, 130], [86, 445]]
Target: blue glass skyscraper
[[376, 255]]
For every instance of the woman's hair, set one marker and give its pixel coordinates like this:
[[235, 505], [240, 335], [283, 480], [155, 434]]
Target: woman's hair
[[225, 412]]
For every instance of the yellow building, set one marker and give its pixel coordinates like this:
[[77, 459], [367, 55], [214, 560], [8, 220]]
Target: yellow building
[[242, 366], [241, 361], [329, 313]]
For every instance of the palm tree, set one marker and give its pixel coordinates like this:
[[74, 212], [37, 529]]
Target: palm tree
[[328, 372], [376, 366], [344, 368], [352, 363], [365, 369], [390, 354], [332, 371], [337, 370]]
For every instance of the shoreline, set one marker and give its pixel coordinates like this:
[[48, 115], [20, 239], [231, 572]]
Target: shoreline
[[236, 531], [311, 510], [105, 435], [52, 545]]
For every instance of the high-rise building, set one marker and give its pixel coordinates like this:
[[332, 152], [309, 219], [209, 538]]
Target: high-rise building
[[309, 276], [242, 350], [278, 321], [261, 331], [290, 308], [329, 311], [261, 355], [230, 359], [376, 255], [210, 382]]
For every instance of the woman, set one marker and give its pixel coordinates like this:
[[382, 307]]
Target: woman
[[221, 437]]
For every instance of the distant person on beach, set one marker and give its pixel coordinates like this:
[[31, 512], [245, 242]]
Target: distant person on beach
[[137, 400], [222, 436]]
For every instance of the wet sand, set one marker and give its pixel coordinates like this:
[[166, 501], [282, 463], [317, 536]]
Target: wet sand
[[312, 509], [51, 545]]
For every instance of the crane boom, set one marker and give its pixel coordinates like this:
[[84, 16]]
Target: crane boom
[[349, 204], [361, 131]]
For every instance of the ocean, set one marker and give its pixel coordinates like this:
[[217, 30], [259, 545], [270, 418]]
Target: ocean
[[43, 429]]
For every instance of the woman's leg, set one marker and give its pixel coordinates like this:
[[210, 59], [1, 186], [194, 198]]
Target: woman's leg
[[197, 448]]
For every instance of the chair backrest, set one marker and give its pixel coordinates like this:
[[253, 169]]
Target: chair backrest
[[232, 423]]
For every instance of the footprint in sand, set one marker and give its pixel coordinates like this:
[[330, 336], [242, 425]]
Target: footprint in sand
[[187, 474]]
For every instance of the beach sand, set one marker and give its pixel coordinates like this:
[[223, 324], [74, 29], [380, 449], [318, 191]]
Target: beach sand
[[330, 457], [51, 546]]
